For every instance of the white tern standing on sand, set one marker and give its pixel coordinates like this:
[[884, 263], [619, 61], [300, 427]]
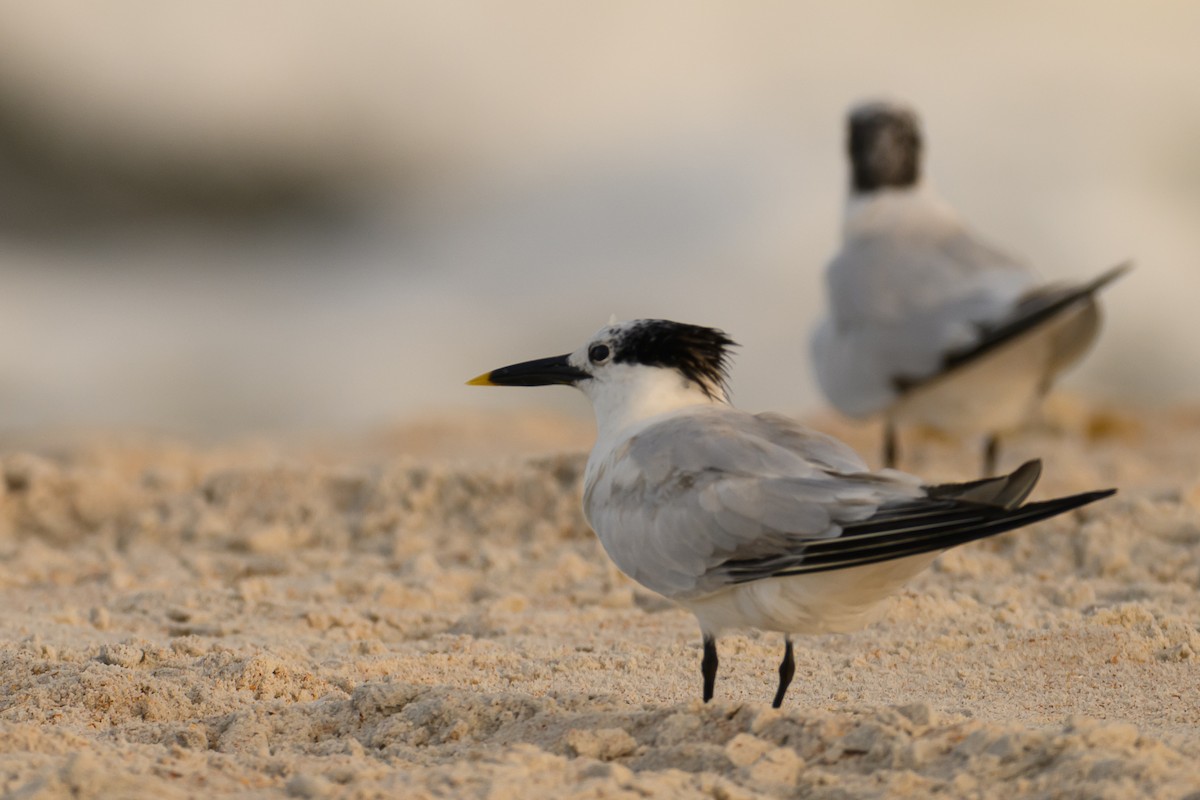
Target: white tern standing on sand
[[927, 324], [752, 520]]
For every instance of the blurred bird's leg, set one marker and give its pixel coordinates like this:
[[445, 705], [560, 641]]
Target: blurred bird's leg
[[991, 454], [891, 445], [708, 666], [787, 669]]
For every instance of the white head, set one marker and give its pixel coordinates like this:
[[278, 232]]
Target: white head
[[633, 370]]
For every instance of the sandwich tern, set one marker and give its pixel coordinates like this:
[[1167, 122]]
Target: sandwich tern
[[752, 520], [927, 323]]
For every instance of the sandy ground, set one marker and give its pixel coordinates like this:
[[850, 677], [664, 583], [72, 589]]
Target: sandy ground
[[424, 613]]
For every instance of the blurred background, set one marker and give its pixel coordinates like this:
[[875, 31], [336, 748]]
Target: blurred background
[[297, 215]]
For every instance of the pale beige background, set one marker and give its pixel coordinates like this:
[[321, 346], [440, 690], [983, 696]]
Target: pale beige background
[[415, 192]]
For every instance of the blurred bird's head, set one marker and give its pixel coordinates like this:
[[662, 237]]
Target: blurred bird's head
[[884, 145]]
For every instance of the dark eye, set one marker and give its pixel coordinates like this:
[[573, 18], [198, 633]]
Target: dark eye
[[598, 353]]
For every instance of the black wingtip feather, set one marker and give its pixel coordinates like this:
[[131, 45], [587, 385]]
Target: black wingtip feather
[[948, 525], [1110, 276], [887, 549]]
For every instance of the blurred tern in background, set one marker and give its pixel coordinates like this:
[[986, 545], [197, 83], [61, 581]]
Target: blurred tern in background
[[752, 520], [927, 323]]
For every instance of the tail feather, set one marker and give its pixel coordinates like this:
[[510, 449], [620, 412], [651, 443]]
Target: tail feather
[[1006, 491]]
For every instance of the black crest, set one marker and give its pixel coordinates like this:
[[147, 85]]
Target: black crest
[[884, 144], [701, 354]]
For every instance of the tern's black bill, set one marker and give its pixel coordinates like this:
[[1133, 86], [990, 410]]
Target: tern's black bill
[[539, 372]]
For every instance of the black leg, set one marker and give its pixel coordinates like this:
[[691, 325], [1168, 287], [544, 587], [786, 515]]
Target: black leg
[[891, 445], [708, 667], [991, 454], [787, 670]]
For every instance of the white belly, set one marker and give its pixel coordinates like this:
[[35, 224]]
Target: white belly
[[821, 602]]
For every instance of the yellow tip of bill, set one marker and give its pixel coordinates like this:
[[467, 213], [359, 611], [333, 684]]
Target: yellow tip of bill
[[482, 380]]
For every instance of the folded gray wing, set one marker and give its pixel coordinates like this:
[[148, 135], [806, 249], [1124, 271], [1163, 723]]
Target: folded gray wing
[[706, 529], [892, 277], [691, 494], [899, 304]]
